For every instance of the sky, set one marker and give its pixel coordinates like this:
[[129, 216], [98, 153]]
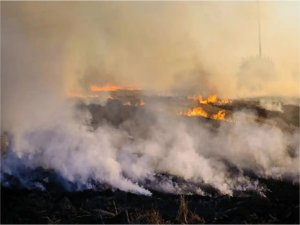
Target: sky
[[167, 47]]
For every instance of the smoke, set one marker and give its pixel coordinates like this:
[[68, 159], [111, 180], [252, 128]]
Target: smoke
[[134, 152], [174, 47], [158, 46], [271, 105]]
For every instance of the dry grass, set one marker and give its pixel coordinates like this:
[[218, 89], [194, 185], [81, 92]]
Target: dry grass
[[153, 217], [185, 216], [183, 210]]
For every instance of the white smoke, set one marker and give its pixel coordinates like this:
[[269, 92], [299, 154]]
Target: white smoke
[[43, 55], [271, 105], [127, 155]]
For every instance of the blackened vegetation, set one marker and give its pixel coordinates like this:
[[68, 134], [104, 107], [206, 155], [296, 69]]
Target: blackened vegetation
[[61, 202], [280, 205], [116, 113]]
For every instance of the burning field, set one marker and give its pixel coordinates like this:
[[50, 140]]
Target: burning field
[[130, 159], [134, 113]]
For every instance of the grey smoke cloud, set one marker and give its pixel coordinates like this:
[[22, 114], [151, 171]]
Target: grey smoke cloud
[[198, 154], [159, 45], [49, 48]]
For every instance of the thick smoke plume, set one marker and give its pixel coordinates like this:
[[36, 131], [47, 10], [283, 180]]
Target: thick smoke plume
[[50, 48], [142, 147]]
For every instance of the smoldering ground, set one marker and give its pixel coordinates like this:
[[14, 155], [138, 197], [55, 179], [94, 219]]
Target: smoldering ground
[[128, 153]]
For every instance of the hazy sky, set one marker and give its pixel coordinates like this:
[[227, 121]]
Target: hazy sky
[[190, 47]]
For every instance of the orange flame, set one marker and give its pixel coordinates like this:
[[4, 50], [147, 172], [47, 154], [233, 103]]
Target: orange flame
[[220, 115], [197, 111], [200, 112], [213, 99], [224, 101], [111, 87]]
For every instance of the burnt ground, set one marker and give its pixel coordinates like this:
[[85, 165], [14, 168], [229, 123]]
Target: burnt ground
[[58, 205], [279, 205]]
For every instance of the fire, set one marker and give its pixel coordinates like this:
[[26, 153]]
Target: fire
[[197, 111], [220, 115], [200, 111], [224, 101], [111, 87], [213, 99]]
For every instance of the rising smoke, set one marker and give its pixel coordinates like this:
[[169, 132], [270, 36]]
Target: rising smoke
[[158, 46], [146, 145]]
